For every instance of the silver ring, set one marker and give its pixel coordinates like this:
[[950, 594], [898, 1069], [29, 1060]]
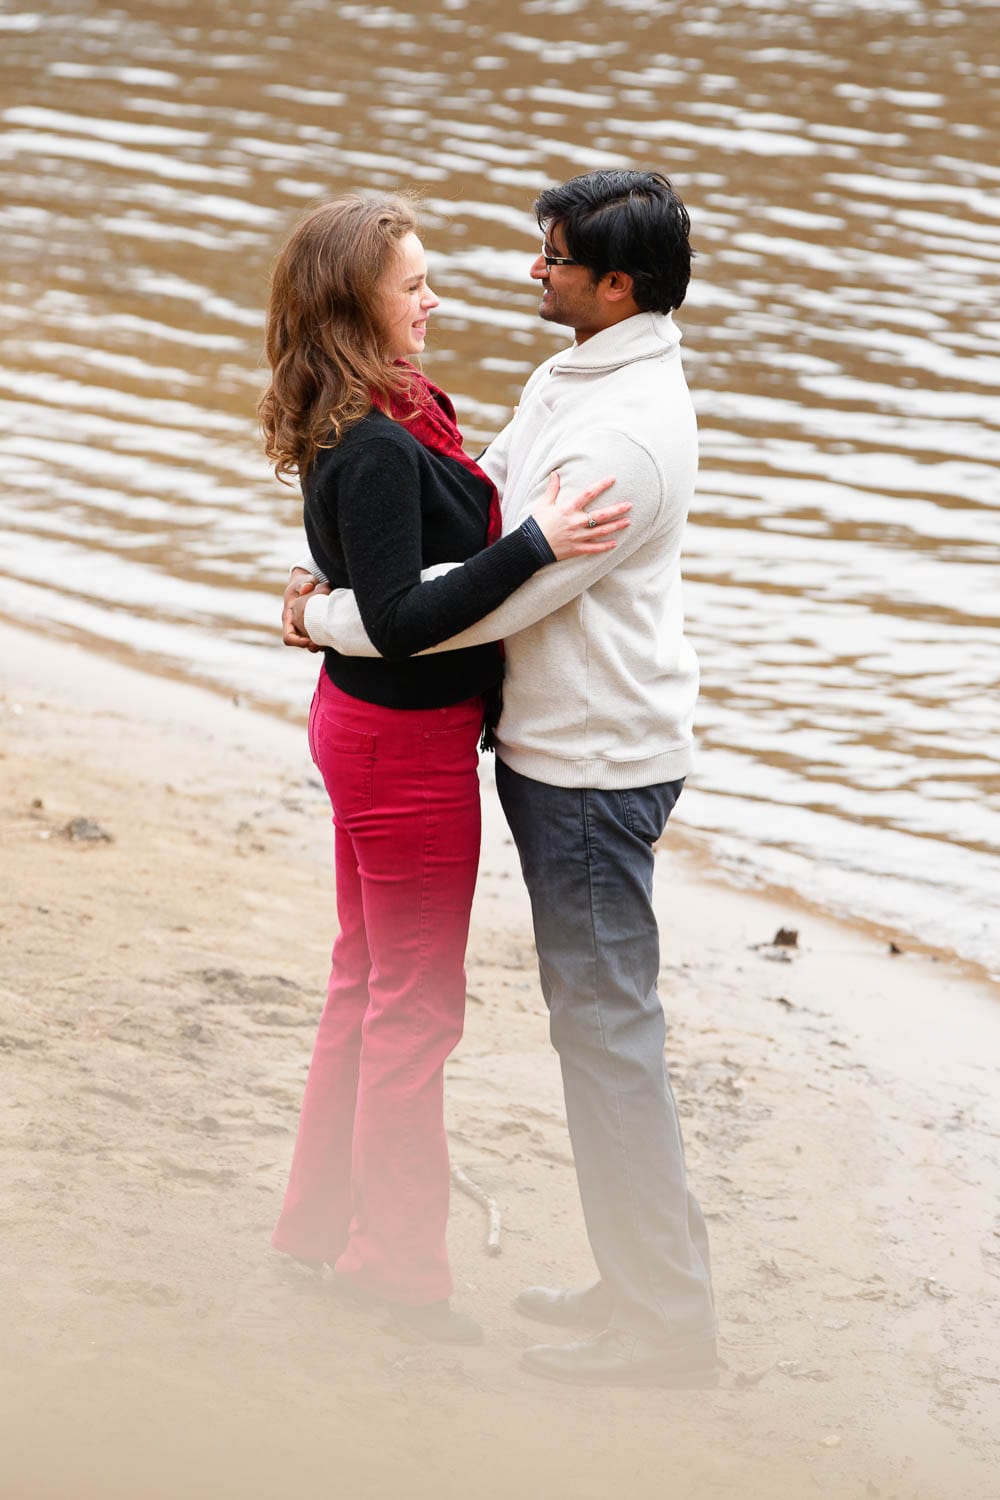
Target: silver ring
[[591, 522]]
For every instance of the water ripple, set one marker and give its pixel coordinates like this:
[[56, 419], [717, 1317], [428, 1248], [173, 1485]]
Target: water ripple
[[840, 338]]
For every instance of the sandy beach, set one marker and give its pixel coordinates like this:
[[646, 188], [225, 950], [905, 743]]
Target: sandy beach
[[161, 979]]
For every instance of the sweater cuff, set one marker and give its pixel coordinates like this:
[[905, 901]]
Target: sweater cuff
[[308, 565], [536, 537]]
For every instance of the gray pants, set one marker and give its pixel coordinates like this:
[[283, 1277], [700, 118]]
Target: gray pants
[[587, 858]]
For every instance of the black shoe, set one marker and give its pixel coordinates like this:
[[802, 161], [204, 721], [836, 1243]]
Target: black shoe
[[438, 1322], [349, 1291], [590, 1308], [614, 1358]]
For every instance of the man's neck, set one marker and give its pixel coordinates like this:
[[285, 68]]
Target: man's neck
[[583, 334]]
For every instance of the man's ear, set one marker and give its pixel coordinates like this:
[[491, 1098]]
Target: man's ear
[[616, 286]]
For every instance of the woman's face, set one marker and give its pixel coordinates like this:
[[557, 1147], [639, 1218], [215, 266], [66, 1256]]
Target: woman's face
[[408, 299]]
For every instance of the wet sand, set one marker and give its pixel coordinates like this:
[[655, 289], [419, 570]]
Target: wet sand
[[158, 994]]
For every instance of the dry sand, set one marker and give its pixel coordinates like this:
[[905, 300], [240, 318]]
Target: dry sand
[[158, 995]]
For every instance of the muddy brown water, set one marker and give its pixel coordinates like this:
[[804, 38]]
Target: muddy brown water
[[841, 165]]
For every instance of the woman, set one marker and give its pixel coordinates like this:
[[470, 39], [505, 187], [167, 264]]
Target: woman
[[388, 491]]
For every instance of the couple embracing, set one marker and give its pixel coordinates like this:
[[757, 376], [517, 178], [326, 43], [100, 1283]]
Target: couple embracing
[[433, 561]]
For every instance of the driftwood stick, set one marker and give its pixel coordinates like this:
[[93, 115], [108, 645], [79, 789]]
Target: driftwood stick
[[463, 1181]]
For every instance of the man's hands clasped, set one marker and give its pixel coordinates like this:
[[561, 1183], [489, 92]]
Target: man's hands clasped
[[300, 586], [570, 529]]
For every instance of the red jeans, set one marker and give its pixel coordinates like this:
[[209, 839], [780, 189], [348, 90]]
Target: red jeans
[[369, 1182]]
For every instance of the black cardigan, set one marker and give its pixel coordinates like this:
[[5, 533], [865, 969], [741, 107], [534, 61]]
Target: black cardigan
[[379, 507]]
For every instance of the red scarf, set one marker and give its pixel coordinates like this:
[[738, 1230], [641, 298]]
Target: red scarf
[[425, 411]]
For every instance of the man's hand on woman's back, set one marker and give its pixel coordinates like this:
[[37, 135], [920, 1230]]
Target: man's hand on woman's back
[[299, 584]]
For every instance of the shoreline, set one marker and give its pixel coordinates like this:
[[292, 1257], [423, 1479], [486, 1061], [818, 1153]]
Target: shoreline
[[158, 1000], [697, 845], [698, 850]]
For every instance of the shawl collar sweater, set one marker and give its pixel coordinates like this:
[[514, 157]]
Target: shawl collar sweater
[[601, 681]]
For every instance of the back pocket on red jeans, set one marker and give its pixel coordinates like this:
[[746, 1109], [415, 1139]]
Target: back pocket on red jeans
[[346, 761]]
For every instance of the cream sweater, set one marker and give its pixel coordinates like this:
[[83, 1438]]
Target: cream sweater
[[601, 682]]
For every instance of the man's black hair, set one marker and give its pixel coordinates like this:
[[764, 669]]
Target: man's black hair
[[625, 221]]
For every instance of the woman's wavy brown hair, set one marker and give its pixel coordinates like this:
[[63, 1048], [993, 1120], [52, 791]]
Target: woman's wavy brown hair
[[325, 339]]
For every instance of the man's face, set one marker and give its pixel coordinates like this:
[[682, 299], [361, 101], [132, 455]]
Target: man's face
[[568, 293]]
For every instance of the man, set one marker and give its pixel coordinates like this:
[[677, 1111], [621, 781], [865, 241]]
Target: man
[[592, 748]]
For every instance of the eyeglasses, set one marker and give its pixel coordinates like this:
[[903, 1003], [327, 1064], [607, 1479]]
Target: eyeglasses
[[557, 260]]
